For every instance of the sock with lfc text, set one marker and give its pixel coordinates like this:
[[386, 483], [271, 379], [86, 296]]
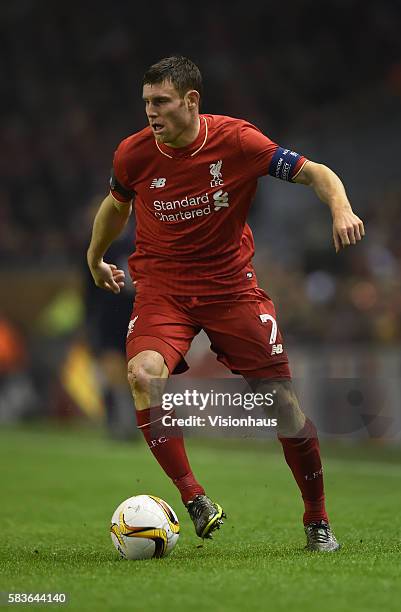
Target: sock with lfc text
[[167, 445], [302, 454]]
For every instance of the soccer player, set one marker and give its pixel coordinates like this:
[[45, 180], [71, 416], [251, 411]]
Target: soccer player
[[191, 178]]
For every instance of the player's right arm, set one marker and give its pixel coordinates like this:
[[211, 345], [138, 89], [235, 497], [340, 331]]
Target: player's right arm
[[109, 222]]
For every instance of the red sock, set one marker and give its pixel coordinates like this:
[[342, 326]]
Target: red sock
[[167, 446], [303, 457]]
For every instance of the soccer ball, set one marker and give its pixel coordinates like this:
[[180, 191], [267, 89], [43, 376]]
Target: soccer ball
[[144, 527]]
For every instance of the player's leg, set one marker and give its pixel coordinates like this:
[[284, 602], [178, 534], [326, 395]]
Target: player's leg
[[246, 338], [299, 439], [160, 334], [147, 374]]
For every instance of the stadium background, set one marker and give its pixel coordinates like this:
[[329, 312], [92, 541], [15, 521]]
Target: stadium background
[[322, 78], [327, 86]]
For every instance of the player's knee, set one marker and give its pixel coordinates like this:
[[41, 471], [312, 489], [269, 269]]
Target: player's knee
[[144, 368], [291, 419], [287, 401]]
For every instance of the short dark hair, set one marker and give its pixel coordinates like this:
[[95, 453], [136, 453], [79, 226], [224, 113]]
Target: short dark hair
[[182, 73]]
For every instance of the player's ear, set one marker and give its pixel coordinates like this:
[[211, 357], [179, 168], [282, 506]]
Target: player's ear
[[192, 99]]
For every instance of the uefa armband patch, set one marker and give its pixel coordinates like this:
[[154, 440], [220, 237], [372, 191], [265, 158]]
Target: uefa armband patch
[[282, 165]]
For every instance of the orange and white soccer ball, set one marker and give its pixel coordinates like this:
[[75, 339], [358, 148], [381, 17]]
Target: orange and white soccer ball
[[144, 527]]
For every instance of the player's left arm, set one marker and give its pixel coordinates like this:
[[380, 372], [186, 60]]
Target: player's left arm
[[347, 227]]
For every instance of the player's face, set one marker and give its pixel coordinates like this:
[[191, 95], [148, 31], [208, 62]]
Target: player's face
[[170, 116]]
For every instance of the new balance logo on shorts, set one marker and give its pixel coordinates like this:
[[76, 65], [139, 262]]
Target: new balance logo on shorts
[[158, 182], [277, 349]]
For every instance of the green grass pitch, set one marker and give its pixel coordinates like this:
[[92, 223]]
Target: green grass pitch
[[59, 489]]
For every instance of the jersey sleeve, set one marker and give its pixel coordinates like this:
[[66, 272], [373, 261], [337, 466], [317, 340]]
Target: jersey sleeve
[[266, 157], [119, 182]]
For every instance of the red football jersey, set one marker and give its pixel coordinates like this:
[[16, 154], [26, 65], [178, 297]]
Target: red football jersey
[[191, 205]]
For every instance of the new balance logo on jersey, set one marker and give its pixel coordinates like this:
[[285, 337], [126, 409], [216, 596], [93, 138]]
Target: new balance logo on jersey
[[158, 182], [277, 349], [220, 199], [215, 171]]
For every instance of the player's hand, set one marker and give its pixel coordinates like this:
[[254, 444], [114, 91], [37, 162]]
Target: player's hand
[[108, 276], [347, 229]]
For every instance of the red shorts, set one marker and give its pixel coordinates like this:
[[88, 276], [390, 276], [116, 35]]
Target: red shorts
[[241, 327]]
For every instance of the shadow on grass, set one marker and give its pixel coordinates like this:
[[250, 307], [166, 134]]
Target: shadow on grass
[[193, 556], [203, 553], [193, 553]]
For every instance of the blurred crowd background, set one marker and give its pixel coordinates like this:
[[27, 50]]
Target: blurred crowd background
[[321, 78]]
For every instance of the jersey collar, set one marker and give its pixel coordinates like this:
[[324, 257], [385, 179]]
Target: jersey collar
[[190, 150]]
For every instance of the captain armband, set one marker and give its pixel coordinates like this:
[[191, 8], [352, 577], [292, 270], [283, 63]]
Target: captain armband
[[283, 164], [118, 190]]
